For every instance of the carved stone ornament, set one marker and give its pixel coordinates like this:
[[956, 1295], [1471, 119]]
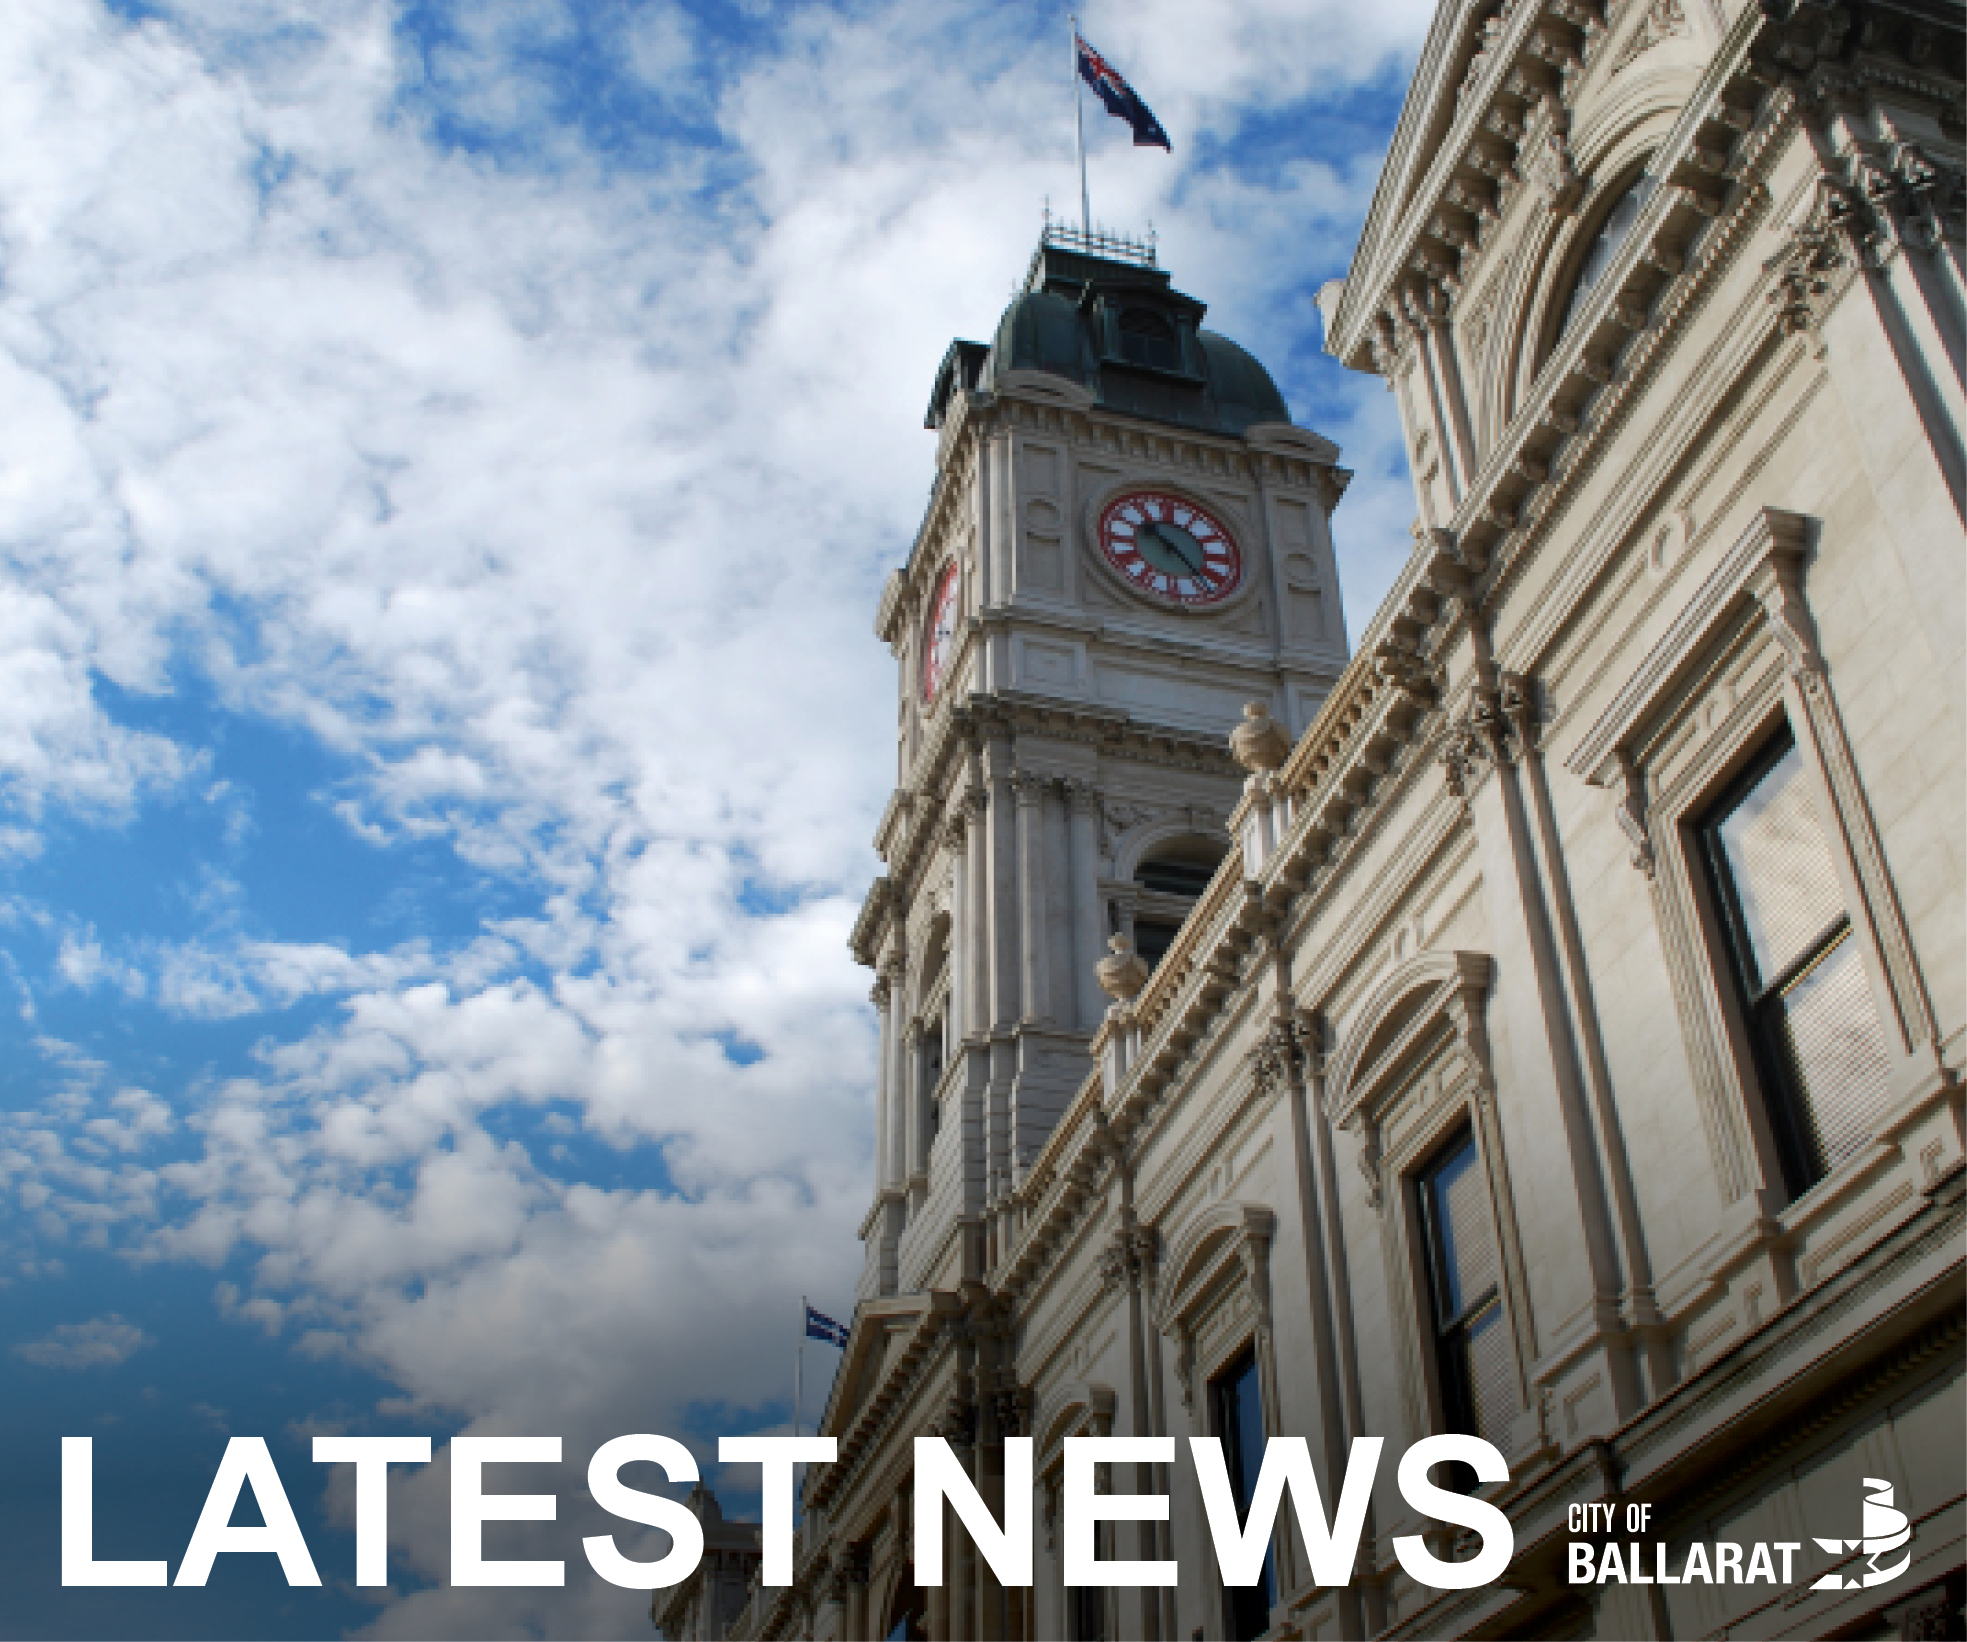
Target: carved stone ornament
[[1804, 269], [1500, 724], [1779, 591], [1128, 1259], [1011, 1407], [1119, 816], [1475, 329], [1663, 18], [1369, 1165], [1465, 757], [1277, 1057], [1121, 974], [1629, 810], [1546, 161], [1259, 742], [1486, 40]]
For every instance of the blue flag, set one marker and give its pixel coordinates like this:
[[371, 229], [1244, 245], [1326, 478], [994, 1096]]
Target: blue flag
[[819, 1326], [1120, 98]]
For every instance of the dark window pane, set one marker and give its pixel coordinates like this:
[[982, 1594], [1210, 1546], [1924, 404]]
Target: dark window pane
[[1188, 878], [1465, 1234], [1240, 1425], [1152, 938], [1146, 338]]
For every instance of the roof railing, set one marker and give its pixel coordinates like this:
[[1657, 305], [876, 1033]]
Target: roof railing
[[1102, 242]]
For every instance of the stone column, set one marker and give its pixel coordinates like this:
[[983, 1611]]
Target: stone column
[[999, 884], [880, 997], [976, 890], [1030, 790], [895, 976], [1545, 1119], [906, 1122], [1088, 927], [956, 837], [1455, 400]]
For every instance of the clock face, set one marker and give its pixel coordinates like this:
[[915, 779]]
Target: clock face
[[939, 637], [1169, 547]]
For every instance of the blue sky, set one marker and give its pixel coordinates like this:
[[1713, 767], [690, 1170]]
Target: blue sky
[[449, 454]]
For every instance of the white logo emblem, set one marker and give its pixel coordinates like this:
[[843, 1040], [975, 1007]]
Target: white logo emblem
[[1886, 1529]]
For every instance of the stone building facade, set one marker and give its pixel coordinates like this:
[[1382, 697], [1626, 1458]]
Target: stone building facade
[[1558, 1007]]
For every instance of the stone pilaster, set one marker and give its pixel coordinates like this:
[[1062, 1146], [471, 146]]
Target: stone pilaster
[[1088, 924], [1030, 792]]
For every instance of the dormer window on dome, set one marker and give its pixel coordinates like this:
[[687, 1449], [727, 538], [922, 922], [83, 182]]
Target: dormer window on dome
[[1147, 338]]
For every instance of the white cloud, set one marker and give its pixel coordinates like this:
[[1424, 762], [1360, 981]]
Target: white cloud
[[550, 497], [103, 1342]]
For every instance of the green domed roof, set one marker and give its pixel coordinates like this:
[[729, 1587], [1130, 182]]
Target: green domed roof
[[1042, 331], [1109, 322], [1241, 387]]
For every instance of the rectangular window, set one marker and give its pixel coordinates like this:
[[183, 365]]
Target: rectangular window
[[1239, 1415], [1471, 1339], [1819, 1048]]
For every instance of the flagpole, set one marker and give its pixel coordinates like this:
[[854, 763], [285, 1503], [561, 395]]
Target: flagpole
[[1079, 125], [798, 1365]]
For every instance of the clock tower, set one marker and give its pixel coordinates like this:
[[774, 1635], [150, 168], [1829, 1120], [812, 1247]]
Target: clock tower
[[1126, 542]]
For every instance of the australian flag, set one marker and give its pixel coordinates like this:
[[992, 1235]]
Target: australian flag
[[819, 1326], [1120, 98]]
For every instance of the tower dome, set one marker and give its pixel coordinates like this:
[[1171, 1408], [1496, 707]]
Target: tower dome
[[1098, 312]]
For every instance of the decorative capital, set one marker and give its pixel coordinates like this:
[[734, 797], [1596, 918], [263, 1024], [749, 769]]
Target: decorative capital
[[1278, 1058], [1081, 796], [1129, 1258], [1465, 757], [1011, 1408]]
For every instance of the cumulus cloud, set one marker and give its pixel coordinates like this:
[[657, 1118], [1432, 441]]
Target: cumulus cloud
[[539, 473], [102, 1342]]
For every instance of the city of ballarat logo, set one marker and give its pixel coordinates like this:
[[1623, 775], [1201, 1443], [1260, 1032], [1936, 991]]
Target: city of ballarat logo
[[1886, 1529]]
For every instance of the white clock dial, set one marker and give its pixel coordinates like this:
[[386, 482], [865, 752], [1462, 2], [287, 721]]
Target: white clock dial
[[939, 635], [1170, 548]]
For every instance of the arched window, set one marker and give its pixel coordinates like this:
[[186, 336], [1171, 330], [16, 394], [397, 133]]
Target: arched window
[[1613, 228], [1171, 881]]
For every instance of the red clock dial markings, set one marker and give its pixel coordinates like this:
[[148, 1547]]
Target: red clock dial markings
[[1170, 548], [939, 634]]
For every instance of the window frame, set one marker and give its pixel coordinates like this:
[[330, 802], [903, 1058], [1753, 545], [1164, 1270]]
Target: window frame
[[1738, 667], [1454, 1386], [1757, 997]]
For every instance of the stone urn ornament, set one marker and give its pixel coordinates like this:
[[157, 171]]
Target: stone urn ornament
[[1259, 742], [1121, 974]]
